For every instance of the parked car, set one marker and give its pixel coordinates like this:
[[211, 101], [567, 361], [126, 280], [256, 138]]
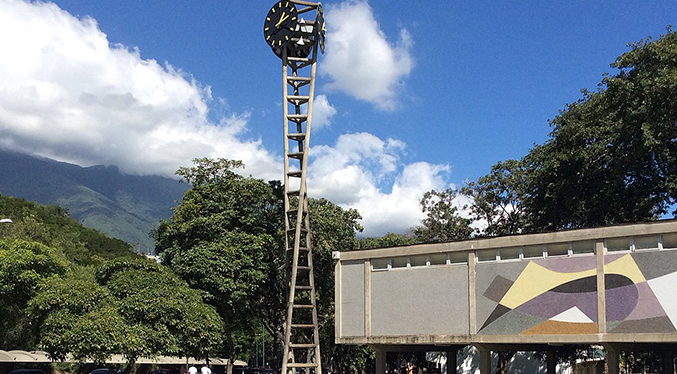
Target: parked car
[[27, 371], [105, 371]]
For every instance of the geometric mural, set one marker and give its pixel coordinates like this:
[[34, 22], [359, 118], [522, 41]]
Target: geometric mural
[[559, 295]]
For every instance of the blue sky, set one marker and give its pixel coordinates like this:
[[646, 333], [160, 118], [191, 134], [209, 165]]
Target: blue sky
[[412, 97]]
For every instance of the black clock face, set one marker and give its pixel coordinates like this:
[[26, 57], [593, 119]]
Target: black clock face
[[280, 23], [321, 27]]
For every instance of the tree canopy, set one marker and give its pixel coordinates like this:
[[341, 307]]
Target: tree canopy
[[135, 307], [225, 238], [611, 156]]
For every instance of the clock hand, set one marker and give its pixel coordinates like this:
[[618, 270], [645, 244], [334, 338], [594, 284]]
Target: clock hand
[[282, 18]]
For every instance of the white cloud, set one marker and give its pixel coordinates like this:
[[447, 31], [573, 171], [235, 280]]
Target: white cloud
[[359, 59], [68, 94], [323, 112], [349, 172]]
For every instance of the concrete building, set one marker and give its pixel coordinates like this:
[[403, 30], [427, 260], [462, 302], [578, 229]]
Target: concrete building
[[614, 286]]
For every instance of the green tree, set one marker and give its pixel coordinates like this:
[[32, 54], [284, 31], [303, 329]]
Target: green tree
[[136, 308], [52, 226], [225, 238], [497, 199], [388, 240], [442, 221], [611, 156], [24, 266]]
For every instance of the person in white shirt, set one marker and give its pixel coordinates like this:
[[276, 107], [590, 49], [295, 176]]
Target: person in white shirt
[[192, 370], [205, 370]]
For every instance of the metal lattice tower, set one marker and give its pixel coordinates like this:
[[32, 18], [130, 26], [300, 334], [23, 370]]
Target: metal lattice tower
[[299, 60]]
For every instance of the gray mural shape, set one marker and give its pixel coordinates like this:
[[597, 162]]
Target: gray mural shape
[[648, 325], [655, 264], [512, 322], [498, 288]]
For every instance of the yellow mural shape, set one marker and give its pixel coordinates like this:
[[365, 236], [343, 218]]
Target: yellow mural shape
[[536, 280], [625, 266]]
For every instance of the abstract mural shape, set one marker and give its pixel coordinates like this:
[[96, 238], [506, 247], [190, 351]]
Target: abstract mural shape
[[664, 289], [648, 305], [550, 304], [648, 325], [561, 328], [573, 315], [655, 264], [620, 300], [499, 311], [571, 265], [526, 288], [625, 266], [497, 289], [587, 284], [511, 323], [559, 296]]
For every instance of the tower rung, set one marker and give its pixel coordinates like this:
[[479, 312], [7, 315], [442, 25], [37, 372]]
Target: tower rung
[[302, 326], [303, 288], [298, 59], [302, 345], [298, 81], [303, 306], [292, 78], [296, 136], [303, 229], [303, 267], [295, 173], [301, 365], [297, 117], [293, 193], [300, 99], [296, 155]]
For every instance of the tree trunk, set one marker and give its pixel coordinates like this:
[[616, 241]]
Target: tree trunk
[[130, 366]]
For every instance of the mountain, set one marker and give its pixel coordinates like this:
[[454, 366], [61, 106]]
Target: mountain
[[123, 206]]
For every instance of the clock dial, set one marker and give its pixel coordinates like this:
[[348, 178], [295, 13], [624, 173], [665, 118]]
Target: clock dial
[[321, 27], [280, 23]]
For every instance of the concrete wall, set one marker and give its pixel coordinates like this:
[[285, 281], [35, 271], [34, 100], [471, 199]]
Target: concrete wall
[[352, 300], [620, 288], [420, 296]]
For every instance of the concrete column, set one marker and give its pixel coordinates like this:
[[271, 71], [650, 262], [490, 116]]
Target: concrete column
[[472, 302], [668, 362], [451, 360], [601, 288], [380, 360], [485, 360], [612, 359], [551, 361]]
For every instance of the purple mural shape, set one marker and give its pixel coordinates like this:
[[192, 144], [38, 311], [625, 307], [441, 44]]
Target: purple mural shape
[[620, 302], [550, 304], [648, 305], [570, 265]]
